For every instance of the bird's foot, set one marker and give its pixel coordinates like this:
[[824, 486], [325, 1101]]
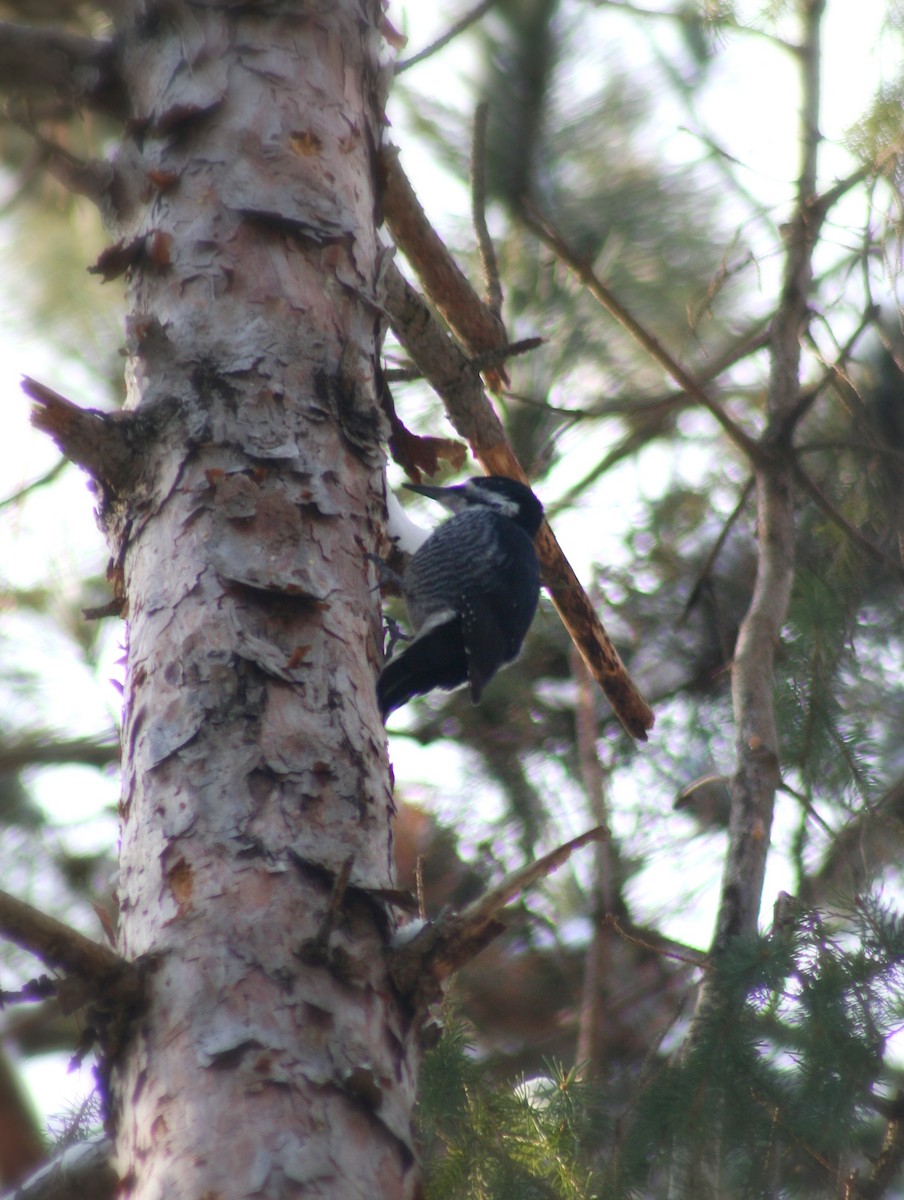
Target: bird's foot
[[393, 635], [387, 578]]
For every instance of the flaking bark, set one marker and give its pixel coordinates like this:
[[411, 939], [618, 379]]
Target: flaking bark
[[242, 207]]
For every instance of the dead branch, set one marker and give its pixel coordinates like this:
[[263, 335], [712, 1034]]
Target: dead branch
[[419, 964], [453, 377], [79, 72], [475, 324], [83, 1170], [94, 440], [94, 971]]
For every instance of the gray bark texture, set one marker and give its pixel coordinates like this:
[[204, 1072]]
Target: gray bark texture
[[274, 1057]]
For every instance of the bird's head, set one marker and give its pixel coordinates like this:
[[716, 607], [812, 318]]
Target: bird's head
[[504, 496]]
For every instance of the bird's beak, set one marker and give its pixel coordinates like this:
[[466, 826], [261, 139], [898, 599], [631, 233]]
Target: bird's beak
[[450, 497]]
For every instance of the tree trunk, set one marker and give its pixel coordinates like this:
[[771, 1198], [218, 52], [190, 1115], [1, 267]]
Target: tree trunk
[[274, 1058]]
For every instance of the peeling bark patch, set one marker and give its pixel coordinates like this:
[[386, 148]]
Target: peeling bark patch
[[226, 1048], [237, 495], [305, 143], [264, 547], [160, 248], [298, 657], [115, 260], [181, 880]]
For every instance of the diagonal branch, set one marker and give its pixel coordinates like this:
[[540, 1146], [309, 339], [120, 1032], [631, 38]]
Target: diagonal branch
[[420, 963], [455, 380], [42, 480], [473, 321], [872, 551], [95, 970], [584, 271], [452, 32]]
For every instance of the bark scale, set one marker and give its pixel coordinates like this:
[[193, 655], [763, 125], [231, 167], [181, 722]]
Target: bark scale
[[274, 1057]]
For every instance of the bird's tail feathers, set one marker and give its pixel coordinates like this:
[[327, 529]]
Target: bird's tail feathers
[[433, 660]]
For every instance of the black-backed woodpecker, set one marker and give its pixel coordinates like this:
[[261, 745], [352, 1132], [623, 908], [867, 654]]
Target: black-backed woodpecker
[[471, 591]]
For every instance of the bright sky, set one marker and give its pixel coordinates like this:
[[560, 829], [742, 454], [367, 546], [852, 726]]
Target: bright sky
[[54, 535]]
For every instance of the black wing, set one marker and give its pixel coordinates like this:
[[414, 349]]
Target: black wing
[[473, 588], [436, 659], [498, 606]]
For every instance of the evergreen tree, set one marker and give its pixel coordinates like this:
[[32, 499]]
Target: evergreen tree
[[714, 423]]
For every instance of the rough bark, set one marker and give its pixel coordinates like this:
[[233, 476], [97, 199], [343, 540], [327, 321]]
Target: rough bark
[[274, 1057]]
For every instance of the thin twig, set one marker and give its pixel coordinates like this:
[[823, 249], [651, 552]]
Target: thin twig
[[48, 477], [479, 211], [480, 362], [493, 358], [831, 374], [651, 940], [684, 15], [863, 543], [716, 550], [822, 444], [550, 237], [822, 203], [656, 408], [452, 32]]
